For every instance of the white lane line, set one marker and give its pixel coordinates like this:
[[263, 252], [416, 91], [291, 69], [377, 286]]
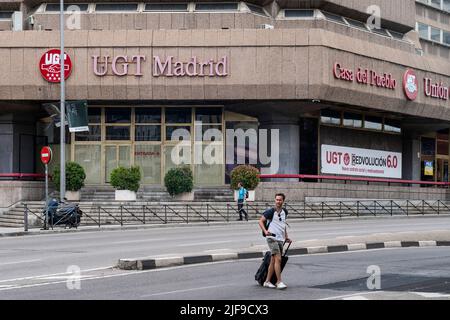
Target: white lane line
[[17, 262], [137, 241], [115, 275], [181, 291], [53, 274], [202, 243], [355, 298], [348, 296], [432, 294]]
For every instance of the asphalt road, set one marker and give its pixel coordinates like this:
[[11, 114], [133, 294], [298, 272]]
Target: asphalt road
[[31, 256], [405, 273]]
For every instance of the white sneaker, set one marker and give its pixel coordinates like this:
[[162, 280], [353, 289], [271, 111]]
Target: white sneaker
[[281, 286], [268, 284]]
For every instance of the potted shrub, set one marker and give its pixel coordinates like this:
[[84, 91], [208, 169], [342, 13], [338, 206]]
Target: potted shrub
[[126, 182], [249, 176], [75, 177], [179, 183]]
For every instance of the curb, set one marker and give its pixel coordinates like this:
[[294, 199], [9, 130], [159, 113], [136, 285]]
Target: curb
[[155, 263]]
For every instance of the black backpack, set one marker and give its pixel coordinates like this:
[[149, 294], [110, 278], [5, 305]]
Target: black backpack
[[270, 212]]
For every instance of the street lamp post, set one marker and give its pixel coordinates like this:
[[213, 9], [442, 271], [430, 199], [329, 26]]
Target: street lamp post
[[62, 188]]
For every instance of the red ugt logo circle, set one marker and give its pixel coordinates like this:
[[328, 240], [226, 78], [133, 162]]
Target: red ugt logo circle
[[50, 67], [346, 159], [410, 85]]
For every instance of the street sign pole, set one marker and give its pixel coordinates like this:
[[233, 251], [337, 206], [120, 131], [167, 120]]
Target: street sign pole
[[46, 197], [62, 188], [46, 157]]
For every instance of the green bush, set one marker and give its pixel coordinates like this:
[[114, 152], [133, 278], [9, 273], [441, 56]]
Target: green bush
[[75, 176], [248, 175], [179, 180], [126, 178]]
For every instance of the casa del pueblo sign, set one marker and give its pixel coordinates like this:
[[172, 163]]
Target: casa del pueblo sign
[[169, 66]]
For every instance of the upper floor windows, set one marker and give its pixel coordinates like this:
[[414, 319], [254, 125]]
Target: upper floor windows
[[430, 33], [6, 15], [443, 5]]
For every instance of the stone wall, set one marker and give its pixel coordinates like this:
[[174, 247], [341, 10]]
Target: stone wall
[[14, 191]]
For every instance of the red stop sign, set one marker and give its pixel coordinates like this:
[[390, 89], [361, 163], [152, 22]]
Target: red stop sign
[[50, 66], [46, 155]]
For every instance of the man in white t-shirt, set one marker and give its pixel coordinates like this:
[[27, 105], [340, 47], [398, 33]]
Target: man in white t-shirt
[[276, 234]]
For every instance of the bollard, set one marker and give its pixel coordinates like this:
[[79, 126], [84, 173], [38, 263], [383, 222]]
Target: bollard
[[25, 218]]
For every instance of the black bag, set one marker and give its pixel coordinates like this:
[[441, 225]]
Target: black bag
[[261, 274], [246, 194]]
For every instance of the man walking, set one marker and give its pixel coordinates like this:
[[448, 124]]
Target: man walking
[[273, 225], [241, 197]]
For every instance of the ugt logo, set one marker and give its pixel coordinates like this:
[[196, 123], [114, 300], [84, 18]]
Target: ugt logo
[[50, 66], [410, 85]]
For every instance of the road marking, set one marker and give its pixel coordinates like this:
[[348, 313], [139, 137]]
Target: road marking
[[138, 241], [432, 295], [17, 262], [355, 298], [181, 291], [202, 243], [350, 296]]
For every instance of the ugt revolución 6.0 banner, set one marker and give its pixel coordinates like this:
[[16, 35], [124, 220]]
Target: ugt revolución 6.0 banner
[[361, 162]]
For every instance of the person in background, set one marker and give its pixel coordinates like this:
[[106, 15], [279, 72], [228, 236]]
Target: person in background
[[241, 198]]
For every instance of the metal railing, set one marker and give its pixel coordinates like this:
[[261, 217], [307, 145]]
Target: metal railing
[[201, 212]]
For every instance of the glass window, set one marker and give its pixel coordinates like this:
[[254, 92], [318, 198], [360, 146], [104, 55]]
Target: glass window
[[208, 115], [356, 24], [148, 158], [290, 13], [442, 147], [209, 133], [428, 146], [397, 35], [95, 115], [436, 3], [178, 115], [352, 120], [442, 134], [148, 133], [184, 134], [446, 5], [118, 115], [94, 134], [374, 123], [116, 7], [210, 172], [166, 7], [435, 34], [6, 15], [117, 133], [89, 157], [55, 7], [331, 117], [148, 115], [382, 32], [446, 39], [333, 17], [391, 125], [423, 30], [176, 157], [216, 6], [256, 9]]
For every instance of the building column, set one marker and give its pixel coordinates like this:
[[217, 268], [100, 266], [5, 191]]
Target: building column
[[411, 158], [288, 144]]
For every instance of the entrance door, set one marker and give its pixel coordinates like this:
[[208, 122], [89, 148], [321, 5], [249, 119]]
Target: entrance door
[[115, 156], [442, 170]]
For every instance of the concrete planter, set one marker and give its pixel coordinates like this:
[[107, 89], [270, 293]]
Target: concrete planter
[[73, 195], [185, 196], [125, 195], [251, 195]]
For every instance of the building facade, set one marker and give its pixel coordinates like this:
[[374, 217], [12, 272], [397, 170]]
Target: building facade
[[357, 88]]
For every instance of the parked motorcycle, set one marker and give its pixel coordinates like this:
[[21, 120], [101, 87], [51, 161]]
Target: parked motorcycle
[[63, 213]]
